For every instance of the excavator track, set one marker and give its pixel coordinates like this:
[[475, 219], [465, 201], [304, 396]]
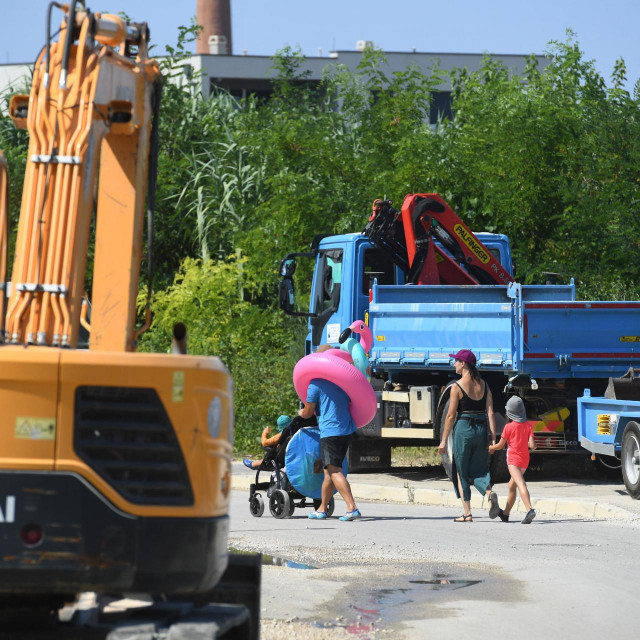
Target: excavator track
[[144, 617]]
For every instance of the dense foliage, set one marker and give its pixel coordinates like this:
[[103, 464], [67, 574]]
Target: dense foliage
[[552, 159]]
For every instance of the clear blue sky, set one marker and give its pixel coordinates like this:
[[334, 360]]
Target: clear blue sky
[[605, 29]]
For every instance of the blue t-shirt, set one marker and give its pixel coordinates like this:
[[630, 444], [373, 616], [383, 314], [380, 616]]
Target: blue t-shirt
[[332, 407]]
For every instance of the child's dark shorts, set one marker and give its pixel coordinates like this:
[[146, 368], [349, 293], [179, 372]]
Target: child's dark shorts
[[334, 449]]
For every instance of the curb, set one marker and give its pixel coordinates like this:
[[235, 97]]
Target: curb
[[413, 494]]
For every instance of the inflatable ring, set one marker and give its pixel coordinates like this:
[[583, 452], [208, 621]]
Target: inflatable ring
[[332, 366], [304, 464]]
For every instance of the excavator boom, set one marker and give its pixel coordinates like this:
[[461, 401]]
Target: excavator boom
[[88, 114]]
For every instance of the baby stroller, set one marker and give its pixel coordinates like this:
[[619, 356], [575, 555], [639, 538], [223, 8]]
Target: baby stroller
[[283, 498]]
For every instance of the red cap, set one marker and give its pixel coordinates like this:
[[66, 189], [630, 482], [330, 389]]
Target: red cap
[[465, 356]]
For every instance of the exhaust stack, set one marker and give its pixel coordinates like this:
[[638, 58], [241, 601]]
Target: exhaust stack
[[215, 18]]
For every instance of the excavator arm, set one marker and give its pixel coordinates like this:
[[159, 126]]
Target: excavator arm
[[89, 113], [4, 238]]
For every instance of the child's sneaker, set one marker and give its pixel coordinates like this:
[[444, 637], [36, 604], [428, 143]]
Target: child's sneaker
[[318, 515], [494, 509], [351, 515], [503, 516], [248, 463], [531, 514]]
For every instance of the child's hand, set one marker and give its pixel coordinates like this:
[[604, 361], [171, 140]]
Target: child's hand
[[268, 429]]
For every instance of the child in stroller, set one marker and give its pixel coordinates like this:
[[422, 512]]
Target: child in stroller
[[283, 498], [269, 443]]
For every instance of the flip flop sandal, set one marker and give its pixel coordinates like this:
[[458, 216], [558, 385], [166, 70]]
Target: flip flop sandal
[[463, 518]]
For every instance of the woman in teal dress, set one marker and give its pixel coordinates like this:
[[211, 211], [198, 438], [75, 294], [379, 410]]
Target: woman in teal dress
[[471, 409]]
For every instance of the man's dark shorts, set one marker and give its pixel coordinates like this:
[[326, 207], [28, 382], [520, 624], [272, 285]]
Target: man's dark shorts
[[334, 449]]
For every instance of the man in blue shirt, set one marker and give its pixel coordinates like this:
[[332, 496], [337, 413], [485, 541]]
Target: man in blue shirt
[[331, 404]]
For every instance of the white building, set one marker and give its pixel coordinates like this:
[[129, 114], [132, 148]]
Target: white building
[[243, 75]]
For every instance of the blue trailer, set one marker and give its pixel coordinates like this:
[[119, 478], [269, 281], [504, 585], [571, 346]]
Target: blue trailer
[[534, 340], [610, 426]]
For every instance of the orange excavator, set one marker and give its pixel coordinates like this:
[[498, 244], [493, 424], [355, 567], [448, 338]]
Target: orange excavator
[[114, 465]]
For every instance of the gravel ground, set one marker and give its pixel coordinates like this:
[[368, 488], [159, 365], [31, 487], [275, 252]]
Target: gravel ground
[[295, 630]]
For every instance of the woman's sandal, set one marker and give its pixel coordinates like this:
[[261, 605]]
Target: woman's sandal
[[463, 518]]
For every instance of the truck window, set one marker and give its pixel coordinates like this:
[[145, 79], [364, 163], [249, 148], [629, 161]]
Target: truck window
[[495, 252], [329, 279], [377, 265]]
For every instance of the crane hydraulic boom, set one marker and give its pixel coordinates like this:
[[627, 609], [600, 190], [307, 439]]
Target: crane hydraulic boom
[[408, 237]]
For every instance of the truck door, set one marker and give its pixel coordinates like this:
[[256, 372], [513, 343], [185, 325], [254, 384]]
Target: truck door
[[325, 297]]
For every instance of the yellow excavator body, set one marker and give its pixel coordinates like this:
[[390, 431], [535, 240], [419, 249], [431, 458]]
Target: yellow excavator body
[[114, 465]]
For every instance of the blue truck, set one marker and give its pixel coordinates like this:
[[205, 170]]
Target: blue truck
[[609, 426], [536, 341]]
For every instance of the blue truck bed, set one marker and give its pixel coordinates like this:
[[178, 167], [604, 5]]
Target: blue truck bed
[[539, 330]]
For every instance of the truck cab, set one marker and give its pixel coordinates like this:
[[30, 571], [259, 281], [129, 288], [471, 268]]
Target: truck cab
[[344, 270]]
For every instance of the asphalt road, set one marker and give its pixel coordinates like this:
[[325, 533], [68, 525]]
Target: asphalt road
[[407, 571]]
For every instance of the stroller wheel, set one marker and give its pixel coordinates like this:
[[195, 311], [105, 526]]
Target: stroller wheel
[[292, 508], [279, 504], [256, 505]]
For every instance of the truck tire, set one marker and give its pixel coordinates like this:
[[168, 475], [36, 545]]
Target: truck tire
[[498, 467], [631, 459]]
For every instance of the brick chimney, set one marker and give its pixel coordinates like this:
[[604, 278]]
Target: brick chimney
[[215, 17]]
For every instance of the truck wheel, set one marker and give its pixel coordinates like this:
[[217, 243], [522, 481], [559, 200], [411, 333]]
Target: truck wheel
[[256, 506], [498, 467], [631, 459], [279, 504]]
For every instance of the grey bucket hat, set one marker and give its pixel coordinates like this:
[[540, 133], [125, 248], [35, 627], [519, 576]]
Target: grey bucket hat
[[515, 409]]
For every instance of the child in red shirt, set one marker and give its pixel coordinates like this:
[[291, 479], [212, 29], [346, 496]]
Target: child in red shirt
[[518, 434]]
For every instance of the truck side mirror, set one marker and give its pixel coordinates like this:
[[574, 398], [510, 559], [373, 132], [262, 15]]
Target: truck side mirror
[[287, 267], [286, 295]]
